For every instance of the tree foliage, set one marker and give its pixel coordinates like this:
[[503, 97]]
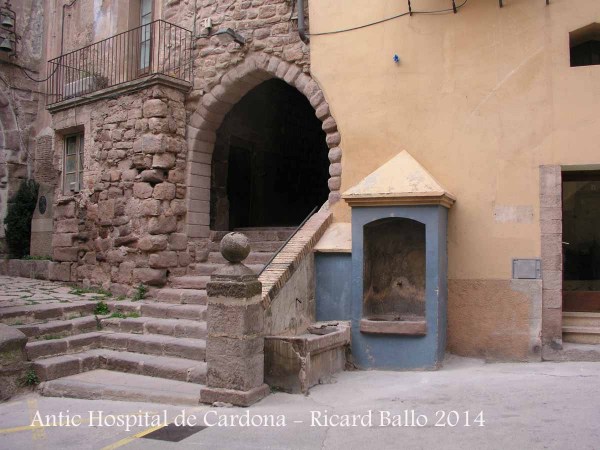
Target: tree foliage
[[18, 219]]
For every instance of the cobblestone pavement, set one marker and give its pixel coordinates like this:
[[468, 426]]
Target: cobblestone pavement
[[16, 291]]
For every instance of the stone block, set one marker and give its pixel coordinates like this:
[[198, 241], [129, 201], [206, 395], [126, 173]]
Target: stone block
[[152, 243], [164, 191], [62, 239], [163, 259], [152, 176], [178, 241], [163, 161], [162, 225], [240, 374], [155, 108], [65, 254], [151, 277], [235, 320], [142, 190], [67, 226]]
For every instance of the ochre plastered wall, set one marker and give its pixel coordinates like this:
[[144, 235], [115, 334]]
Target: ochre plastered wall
[[481, 99]]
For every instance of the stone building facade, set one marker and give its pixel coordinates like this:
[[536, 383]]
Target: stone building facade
[[452, 89]]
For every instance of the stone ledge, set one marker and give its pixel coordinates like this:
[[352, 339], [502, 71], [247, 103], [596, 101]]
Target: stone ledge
[[26, 268], [121, 89], [238, 398], [281, 269]]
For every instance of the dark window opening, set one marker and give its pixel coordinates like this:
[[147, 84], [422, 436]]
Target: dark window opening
[[585, 46], [270, 164], [394, 270], [581, 240]]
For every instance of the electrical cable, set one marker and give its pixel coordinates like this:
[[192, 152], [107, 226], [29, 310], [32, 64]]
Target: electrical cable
[[439, 11]]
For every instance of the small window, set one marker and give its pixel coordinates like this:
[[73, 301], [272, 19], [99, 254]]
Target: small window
[[585, 46], [73, 164]]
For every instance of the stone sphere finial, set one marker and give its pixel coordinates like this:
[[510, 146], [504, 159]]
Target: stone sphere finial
[[235, 247]]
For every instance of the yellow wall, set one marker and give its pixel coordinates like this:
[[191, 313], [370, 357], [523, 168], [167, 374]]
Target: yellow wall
[[481, 99]]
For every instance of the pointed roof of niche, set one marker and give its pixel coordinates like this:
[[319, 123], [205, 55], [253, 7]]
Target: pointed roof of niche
[[400, 181]]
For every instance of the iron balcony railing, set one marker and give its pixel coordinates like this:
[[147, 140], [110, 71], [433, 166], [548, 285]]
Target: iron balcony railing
[[158, 47]]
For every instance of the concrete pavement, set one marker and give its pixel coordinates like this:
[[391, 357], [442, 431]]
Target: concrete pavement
[[541, 405]]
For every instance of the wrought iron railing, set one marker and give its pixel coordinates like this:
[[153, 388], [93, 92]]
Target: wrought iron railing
[[158, 47]]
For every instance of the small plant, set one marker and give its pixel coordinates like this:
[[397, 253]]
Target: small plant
[[37, 258], [98, 323], [90, 290], [31, 378], [101, 309], [50, 337], [18, 219], [140, 293], [120, 298], [122, 315]]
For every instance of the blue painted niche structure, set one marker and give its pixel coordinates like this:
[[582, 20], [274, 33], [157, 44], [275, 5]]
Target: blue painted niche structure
[[397, 299]]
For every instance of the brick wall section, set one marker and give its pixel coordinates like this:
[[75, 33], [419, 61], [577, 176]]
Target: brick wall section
[[126, 226], [551, 238], [289, 258]]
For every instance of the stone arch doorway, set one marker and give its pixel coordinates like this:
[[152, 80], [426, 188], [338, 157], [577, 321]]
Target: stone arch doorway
[[205, 122], [269, 164]]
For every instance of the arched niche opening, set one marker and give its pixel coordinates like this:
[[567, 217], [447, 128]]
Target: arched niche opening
[[394, 270], [270, 164]]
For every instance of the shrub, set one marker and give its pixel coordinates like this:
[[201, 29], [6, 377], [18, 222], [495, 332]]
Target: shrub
[[18, 219]]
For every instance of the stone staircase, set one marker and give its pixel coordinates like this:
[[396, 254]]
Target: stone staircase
[[155, 351], [581, 327]]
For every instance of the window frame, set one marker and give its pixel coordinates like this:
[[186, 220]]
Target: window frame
[[78, 155]]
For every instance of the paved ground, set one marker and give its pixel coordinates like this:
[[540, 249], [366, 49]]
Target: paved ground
[[15, 291], [545, 405]]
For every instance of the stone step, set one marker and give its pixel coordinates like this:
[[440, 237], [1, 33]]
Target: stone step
[[581, 335], [258, 246], [573, 352], [111, 385], [14, 315], [253, 258], [257, 233], [178, 369], [149, 325], [148, 344], [190, 282], [55, 347], [181, 296], [173, 311], [206, 269], [60, 328], [155, 344], [581, 319]]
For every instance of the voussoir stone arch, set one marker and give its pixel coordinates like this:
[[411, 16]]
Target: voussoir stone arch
[[215, 104]]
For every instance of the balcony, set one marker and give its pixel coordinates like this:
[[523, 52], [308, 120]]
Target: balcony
[[157, 51]]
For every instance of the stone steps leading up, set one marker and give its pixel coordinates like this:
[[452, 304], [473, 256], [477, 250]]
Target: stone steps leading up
[[206, 269], [181, 296], [27, 314], [581, 327], [190, 282], [111, 385], [148, 344], [581, 319], [581, 335], [149, 325], [177, 369], [161, 310], [253, 258], [60, 328]]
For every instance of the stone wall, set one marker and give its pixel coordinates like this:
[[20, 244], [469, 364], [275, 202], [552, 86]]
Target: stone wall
[[265, 24], [126, 225]]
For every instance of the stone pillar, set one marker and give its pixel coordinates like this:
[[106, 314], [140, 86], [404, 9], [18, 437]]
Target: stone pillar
[[235, 342], [12, 360]]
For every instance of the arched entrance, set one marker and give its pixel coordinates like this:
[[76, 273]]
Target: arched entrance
[[269, 166], [209, 197]]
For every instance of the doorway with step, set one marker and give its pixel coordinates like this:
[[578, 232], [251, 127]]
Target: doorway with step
[[581, 256], [270, 166]]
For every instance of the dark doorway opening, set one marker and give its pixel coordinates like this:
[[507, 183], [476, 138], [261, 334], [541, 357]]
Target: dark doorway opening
[[270, 165], [581, 241]]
